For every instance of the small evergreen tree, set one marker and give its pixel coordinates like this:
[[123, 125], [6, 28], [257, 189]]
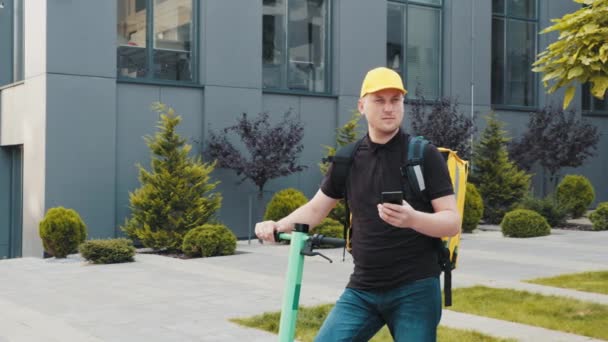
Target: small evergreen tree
[[345, 135], [176, 195], [442, 123], [501, 183], [273, 150]]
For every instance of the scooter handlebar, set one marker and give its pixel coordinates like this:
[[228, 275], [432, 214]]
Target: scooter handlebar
[[325, 240]]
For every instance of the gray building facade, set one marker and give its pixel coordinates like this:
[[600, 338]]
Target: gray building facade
[[78, 78]]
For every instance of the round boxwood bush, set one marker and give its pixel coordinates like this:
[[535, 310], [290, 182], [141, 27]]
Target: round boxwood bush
[[599, 217], [575, 193], [330, 228], [524, 223], [283, 203], [209, 240], [61, 231], [108, 251], [473, 209], [548, 207]]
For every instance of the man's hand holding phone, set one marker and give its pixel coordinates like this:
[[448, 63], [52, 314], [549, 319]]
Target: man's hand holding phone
[[394, 210]]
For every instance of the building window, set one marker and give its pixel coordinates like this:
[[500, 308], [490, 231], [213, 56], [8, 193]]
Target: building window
[[295, 40], [156, 40], [417, 26], [514, 35], [593, 105], [11, 41]]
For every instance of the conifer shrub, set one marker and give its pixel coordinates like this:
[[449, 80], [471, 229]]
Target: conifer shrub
[[548, 207], [473, 209], [523, 223], [209, 240], [107, 251], [176, 195], [599, 217], [500, 182], [283, 203], [61, 231], [575, 193]]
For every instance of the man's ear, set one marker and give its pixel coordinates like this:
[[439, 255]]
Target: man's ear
[[360, 106]]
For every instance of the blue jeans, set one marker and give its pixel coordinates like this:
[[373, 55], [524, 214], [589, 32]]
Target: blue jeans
[[411, 312]]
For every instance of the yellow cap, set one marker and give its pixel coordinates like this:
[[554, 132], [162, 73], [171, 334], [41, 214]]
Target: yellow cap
[[381, 78]]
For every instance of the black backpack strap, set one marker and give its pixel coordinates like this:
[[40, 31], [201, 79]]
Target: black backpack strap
[[413, 169], [446, 267], [415, 188], [342, 161]]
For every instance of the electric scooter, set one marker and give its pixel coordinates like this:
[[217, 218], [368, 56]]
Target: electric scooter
[[302, 245]]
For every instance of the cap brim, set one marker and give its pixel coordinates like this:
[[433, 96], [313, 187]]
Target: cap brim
[[373, 90]]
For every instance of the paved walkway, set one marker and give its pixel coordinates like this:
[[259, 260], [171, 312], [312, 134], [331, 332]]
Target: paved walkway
[[165, 299]]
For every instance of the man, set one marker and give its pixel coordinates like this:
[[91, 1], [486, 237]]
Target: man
[[396, 273]]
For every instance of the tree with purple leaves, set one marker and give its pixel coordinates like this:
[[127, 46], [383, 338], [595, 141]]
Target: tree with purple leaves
[[442, 123], [273, 151], [555, 139]]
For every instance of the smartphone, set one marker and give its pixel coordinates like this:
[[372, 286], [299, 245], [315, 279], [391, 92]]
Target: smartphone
[[395, 197]]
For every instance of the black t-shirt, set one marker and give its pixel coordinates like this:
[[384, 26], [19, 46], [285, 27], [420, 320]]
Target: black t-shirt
[[386, 257]]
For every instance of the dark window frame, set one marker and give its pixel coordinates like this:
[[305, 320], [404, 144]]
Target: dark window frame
[[405, 7], [15, 65], [328, 83], [505, 16], [588, 102], [194, 51]]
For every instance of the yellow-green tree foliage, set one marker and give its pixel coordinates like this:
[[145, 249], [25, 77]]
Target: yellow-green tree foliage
[[580, 53]]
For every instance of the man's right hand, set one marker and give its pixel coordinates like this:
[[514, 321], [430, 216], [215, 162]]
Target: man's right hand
[[265, 230]]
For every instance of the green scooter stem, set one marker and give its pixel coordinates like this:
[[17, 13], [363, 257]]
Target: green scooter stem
[[293, 283]]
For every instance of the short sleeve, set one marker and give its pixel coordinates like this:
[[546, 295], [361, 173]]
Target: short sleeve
[[328, 186], [436, 174]]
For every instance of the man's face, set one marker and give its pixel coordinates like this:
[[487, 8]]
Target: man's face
[[383, 110]]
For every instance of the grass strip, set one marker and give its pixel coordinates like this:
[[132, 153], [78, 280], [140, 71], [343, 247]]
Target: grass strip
[[551, 312], [311, 318], [588, 281]]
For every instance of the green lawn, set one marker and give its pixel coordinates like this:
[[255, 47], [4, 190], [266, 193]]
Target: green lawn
[[587, 281], [552, 312], [311, 318]]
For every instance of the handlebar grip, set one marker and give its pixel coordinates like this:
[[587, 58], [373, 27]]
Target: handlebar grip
[[332, 241]]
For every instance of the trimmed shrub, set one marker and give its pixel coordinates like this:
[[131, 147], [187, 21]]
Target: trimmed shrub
[[599, 217], [524, 223], [473, 209], [108, 251], [575, 193], [548, 207], [283, 203], [209, 240], [61, 231], [330, 228]]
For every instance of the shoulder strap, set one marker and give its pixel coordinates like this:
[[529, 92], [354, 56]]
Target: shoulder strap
[[342, 162], [413, 170]]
